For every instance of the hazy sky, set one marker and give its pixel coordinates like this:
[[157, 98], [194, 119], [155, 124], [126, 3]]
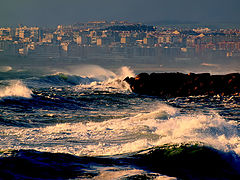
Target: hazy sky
[[53, 12]]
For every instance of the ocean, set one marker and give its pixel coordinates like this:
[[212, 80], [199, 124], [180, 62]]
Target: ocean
[[85, 123]]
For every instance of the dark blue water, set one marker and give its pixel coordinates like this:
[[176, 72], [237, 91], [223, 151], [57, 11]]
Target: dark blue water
[[87, 124]]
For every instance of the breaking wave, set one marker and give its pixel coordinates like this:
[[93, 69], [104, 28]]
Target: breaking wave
[[59, 79], [114, 83], [15, 88], [85, 77], [91, 127], [162, 125]]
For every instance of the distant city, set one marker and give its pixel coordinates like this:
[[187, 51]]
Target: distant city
[[119, 38]]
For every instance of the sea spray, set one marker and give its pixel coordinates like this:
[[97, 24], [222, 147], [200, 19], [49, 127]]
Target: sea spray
[[90, 117], [161, 125], [87, 77], [15, 88], [88, 70], [112, 83]]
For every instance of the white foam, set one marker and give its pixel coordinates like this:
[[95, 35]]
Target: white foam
[[114, 82], [210, 129], [163, 125], [15, 88], [5, 68]]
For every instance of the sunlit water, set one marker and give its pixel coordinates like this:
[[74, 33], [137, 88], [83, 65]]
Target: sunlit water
[[91, 111]]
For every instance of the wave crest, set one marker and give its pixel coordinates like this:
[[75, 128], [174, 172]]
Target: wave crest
[[15, 88], [113, 83]]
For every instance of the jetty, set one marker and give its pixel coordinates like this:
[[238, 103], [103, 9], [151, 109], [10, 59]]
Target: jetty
[[182, 85]]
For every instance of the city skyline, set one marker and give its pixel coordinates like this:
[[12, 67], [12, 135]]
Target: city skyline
[[33, 12], [119, 38]]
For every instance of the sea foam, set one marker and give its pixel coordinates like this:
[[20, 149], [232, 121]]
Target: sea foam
[[111, 82], [15, 88], [162, 125]]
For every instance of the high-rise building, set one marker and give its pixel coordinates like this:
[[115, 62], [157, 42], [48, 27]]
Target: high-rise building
[[28, 32]]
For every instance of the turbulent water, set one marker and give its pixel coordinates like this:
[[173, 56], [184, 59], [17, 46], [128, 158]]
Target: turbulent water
[[85, 123]]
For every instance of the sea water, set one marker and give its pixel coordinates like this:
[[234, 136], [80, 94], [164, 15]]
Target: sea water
[[85, 123]]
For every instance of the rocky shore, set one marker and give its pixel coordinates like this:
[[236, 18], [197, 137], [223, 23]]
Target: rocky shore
[[182, 85]]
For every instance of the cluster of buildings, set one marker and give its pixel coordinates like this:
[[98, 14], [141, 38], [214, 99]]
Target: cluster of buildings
[[118, 38]]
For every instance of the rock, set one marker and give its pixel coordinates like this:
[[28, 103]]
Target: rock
[[180, 85]]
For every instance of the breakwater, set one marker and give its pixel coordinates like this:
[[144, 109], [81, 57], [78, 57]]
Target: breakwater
[[182, 85]]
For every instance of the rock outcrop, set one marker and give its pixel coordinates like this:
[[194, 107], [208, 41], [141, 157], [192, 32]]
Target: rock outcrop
[[182, 85]]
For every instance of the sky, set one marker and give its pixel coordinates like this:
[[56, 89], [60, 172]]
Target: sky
[[54, 12]]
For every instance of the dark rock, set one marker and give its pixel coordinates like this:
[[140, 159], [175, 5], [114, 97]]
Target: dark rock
[[179, 84]]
